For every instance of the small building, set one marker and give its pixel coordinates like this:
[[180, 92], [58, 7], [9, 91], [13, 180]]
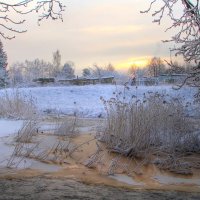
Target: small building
[[88, 81], [172, 78], [159, 80], [44, 80]]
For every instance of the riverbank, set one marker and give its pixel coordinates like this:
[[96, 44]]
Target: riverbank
[[72, 179], [46, 188]]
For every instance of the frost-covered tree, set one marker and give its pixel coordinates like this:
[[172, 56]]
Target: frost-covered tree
[[11, 10], [29, 70], [16, 73], [3, 66], [38, 69], [68, 70], [185, 18], [132, 70], [99, 71], [56, 62], [110, 68], [86, 72], [156, 67]]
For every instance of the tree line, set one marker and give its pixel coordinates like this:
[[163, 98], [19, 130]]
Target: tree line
[[25, 72]]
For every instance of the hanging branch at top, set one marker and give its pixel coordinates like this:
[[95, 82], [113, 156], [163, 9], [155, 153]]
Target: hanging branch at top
[[187, 37], [46, 9]]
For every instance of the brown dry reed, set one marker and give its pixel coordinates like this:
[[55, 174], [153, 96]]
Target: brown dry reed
[[151, 128]]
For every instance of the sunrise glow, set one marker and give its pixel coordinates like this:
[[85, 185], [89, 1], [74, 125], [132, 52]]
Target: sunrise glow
[[139, 62]]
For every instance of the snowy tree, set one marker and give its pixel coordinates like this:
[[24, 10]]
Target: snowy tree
[[16, 73], [56, 62], [186, 23], [156, 67], [38, 69], [99, 71], [86, 72], [3, 66], [29, 70], [68, 70], [187, 28], [51, 9], [132, 71], [110, 68]]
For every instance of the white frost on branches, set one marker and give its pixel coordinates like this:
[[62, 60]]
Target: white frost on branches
[[3, 66], [187, 37], [46, 9]]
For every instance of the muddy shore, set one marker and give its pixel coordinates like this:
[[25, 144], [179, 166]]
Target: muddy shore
[[72, 180], [44, 188]]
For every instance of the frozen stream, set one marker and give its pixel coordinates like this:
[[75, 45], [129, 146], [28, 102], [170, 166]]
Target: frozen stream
[[9, 127]]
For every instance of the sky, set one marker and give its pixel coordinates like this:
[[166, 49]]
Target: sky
[[94, 32]]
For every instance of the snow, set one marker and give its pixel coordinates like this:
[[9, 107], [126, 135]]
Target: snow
[[85, 100]]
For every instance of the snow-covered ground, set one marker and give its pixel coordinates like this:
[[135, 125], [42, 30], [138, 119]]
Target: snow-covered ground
[[86, 99]]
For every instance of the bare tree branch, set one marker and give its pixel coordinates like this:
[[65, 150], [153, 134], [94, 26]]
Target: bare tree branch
[[46, 9], [187, 37]]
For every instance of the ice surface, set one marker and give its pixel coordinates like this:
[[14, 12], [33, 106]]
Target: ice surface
[[125, 179], [163, 179], [9, 127]]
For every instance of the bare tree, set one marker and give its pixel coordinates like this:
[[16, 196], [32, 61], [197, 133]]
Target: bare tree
[[3, 66], [16, 73], [110, 68], [27, 71], [132, 70], [187, 24], [156, 67], [86, 72], [187, 37], [68, 70], [56, 62], [46, 9]]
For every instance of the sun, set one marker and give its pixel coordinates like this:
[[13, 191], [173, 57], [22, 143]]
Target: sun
[[140, 63]]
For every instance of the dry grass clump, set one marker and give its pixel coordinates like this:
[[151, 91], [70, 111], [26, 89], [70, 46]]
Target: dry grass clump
[[28, 143], [67, 127], [13, 104], [150, 128], [24, 144], [27, 131]]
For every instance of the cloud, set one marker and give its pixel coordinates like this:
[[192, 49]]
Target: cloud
[[102, 30], [93, 31]]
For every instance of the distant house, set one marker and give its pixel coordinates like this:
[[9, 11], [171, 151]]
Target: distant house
[[172, 78], [44, 80], [87, 81], [159, 80]]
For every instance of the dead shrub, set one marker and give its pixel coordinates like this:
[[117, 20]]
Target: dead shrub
[[27, 131], [151, 126], [67, 127], [13, 104], [24, 144]]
